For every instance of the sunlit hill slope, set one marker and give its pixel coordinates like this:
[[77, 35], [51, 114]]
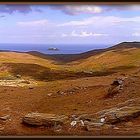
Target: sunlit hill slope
[[124, 56]]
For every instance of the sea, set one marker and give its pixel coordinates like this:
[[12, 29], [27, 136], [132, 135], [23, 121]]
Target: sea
[[43, 48]]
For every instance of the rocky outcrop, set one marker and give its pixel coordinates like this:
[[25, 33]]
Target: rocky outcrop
[[115, 87], [39, 119], [108, 117], [104, 119], [121, 114]]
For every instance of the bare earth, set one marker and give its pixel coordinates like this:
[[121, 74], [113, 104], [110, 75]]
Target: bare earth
[[18, 101]]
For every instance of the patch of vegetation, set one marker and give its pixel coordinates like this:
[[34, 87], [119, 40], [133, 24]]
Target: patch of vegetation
[[41, 73], [119, 68]]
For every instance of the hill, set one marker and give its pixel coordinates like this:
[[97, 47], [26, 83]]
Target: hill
[[101, 62], [66, 58], [119, 57]]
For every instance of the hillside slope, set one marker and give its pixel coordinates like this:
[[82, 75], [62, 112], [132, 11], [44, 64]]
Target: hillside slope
[[66, 58], [118, 58]]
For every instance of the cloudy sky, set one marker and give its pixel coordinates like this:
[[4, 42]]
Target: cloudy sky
[[69, 24]]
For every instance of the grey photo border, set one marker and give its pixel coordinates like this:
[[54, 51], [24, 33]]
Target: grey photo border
[[71, 3]]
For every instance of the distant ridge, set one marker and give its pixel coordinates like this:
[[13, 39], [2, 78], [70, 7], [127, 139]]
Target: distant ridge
[[65, 58]]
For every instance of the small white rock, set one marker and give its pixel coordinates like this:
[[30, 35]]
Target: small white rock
[[49, 94], [116, 128], [102, 120], [73, 123], [82, 122]]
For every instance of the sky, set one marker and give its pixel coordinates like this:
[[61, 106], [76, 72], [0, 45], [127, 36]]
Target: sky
[[69, 24]]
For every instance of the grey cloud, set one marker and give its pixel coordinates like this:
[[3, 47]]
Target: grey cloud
[[77, 9], [93, 9], [2, 16], [17, 8]]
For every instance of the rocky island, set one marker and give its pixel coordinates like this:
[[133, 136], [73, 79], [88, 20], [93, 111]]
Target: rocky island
[[53, 49]]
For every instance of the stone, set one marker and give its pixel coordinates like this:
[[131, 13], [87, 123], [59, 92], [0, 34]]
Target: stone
[[50, 94], [110, 118], [121, 114], [40, 119], [18, 76], [88, 117], [113, 90], [73, 123], [82, 122], [58, 128], [116, 128], [126, 113], [74, 117], [6, 117], [93, 126], [115, 87], [102, 120]]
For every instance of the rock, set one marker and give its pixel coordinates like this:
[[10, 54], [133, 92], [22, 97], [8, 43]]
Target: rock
[[89, 118], [6, 117], [93, 126], [117, 82], [127, 113], [110, 118], [102, 120], [114, 90], [53, 49], [122, 112], [58, 128], [116, 128], [40, 119], [97, 126], [73, 123], [115, 87], [82, 122], [74, 117], [18, 76], [50, 94], [30, 87]]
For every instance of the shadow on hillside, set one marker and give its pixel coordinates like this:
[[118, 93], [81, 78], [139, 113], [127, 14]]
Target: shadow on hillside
[[41, 73]]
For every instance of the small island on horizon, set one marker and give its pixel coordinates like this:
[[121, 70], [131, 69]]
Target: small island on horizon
[[53, 49]]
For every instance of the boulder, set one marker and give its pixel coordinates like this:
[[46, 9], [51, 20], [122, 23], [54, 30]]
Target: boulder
[[44, 119], [121, 112], [115, 87], [127, 113]]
